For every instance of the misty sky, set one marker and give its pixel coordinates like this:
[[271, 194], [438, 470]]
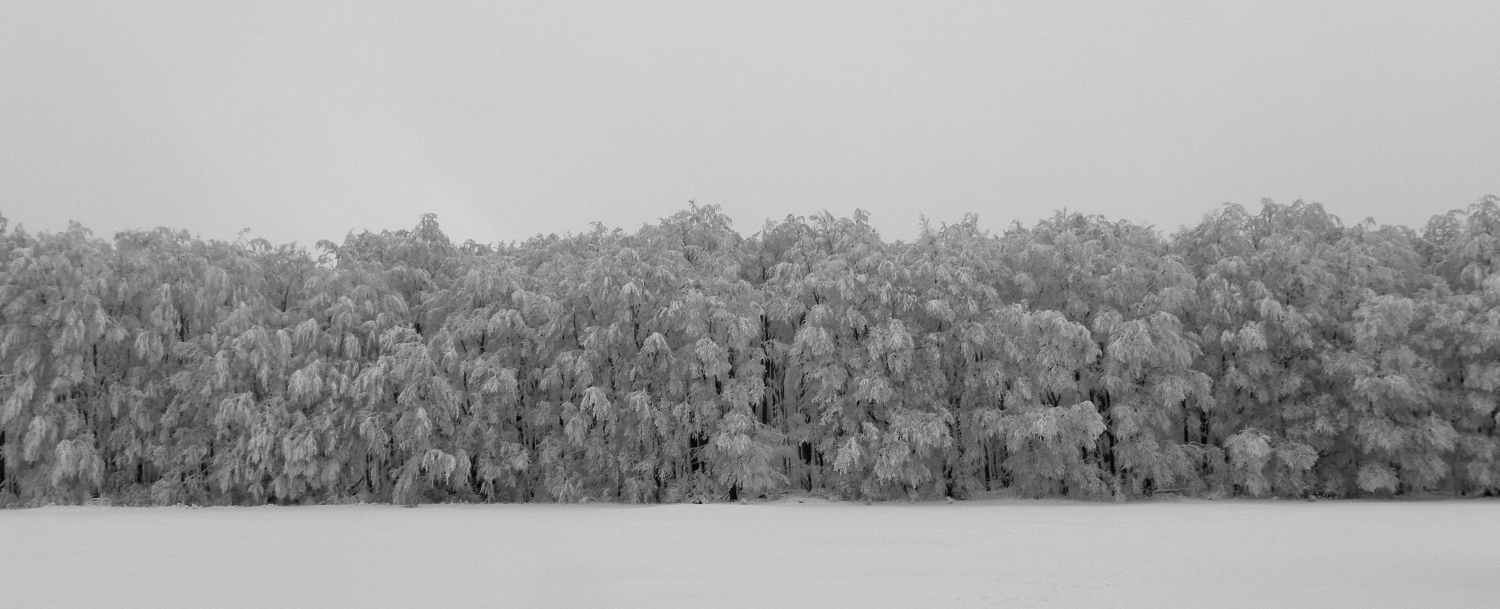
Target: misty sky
[[304, 120]]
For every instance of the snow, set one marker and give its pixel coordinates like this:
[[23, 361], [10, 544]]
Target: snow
[[1002, 553]]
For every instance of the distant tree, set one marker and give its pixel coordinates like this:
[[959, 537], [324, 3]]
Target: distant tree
[[52, 324], [1461, 338], [1120, 281], [867, 392]]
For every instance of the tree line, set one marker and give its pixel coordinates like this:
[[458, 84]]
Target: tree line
[[1272, 353]]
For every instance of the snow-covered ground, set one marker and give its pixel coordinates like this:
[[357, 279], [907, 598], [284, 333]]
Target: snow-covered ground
[[778, 554]]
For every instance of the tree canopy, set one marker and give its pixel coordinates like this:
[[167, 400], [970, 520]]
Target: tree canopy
[[1279, 352]]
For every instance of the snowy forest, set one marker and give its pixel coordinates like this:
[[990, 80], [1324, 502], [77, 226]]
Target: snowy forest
[[1271, 353]]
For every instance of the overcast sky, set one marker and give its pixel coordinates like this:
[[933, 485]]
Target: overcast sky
[[304, 120]]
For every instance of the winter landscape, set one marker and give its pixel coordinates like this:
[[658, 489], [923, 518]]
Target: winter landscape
[[771, 304]]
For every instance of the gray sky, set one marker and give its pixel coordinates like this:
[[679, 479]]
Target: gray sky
[[303, 120]]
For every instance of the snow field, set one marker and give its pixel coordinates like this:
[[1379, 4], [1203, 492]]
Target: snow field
[[777, 554]]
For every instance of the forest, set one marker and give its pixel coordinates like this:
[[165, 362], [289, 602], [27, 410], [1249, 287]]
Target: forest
[[1273, 353]]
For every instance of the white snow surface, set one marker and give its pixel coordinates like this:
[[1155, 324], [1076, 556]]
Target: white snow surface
[[998, 553]]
